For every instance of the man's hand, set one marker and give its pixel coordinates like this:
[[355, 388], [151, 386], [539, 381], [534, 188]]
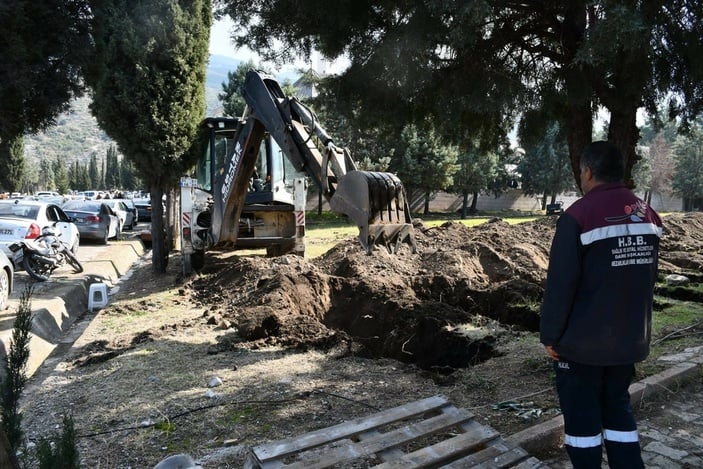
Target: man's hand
[[551, 352]]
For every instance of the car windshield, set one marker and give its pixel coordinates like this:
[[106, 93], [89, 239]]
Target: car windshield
[[81, 206], [29, 212]]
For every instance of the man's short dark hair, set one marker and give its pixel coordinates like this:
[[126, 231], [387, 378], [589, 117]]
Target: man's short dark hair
[[605, 160]]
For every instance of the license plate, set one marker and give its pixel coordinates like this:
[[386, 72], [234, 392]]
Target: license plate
[[7, 232], [78, 220]]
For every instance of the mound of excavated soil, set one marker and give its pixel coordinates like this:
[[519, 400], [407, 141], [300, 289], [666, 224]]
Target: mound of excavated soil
[[442, 307]]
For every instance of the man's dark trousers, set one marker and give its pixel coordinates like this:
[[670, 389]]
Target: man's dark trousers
[[596, 405]]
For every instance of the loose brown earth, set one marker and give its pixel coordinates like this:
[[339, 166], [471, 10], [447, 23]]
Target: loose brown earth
[[302, 344]]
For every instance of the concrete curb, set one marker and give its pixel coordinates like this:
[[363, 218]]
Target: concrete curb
[[550, 434], [58, 303]]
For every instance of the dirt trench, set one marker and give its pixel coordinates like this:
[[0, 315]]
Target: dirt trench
[[444, 307]]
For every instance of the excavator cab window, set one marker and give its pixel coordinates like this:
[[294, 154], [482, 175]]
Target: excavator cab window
[[214, 145], [201, 147], [281, 168], [262, 171]]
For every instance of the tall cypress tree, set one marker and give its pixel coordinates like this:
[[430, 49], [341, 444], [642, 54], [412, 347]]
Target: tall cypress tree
[[61, 182], [93, 172], [148, 78]]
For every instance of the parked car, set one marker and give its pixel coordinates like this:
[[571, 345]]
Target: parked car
[[7, 280], [24, 218], [125, 214], [94, 219], [556, 208], [130, 204], [51, 197], [143, 208]]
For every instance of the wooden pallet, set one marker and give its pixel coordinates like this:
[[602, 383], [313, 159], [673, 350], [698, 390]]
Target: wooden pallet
[[429, 433]]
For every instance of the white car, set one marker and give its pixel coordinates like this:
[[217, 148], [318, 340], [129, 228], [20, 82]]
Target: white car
[[50, 197], [7, 280], [124, 213], [25, 219]]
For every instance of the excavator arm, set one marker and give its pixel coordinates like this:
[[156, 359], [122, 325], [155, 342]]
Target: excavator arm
[[375, 201]]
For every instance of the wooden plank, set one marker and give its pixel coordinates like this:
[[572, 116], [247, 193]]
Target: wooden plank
[[278, 449], [451, 417], [504, 460], [445, 451], [531, 463], [387, 454], [495, 449]]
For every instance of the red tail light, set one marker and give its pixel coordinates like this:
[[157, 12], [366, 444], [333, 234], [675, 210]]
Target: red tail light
[[33, 231], [93, 218]]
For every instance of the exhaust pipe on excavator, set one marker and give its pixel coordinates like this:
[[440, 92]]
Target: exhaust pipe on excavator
[[376, 203]]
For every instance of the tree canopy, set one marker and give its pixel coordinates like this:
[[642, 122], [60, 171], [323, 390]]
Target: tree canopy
[[480, 65], [545, 168], [476, 173], [231, 96], [43, 44], [426, 164]]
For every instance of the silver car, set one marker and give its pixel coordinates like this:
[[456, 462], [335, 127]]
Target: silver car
[[94, 219]]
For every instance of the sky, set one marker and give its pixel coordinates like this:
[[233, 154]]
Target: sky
[[220, 44]]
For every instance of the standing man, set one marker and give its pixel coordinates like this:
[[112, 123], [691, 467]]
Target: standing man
[[597, 310]]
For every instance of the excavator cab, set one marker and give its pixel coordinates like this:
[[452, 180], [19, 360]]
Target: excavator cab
[[250, 183], [266, 218]]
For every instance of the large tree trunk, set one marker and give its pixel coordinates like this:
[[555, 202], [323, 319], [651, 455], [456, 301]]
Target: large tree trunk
[[173, 217], [159, 250], [578, 111], [464, 204], [624, 134], [474, 202], [8, 459]]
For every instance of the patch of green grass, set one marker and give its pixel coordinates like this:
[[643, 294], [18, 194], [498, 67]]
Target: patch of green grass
[[165, 427], [236, 415], [677, 313], [676, 325]]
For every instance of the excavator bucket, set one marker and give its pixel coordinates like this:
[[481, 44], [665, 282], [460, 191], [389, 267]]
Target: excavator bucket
[[376, 202]]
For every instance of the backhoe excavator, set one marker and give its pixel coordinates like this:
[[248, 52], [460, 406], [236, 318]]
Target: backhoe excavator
[[250, 184]]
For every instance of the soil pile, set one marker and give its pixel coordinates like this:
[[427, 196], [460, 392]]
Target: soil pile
[[289, 340], [441, 308]]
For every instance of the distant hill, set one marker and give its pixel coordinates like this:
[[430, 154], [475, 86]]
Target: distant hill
[[217, 69], [77, 136]]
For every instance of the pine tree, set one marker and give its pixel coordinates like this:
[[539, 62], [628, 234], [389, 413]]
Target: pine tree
[[427, 163]]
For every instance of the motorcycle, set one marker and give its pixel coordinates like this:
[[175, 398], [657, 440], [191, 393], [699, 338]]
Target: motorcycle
[[44, 254]]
